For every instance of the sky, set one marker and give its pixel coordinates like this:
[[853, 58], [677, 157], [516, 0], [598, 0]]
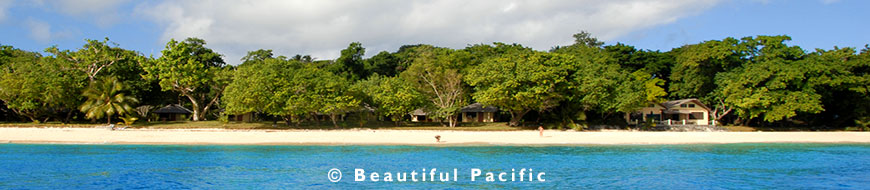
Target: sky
[[322, 28]]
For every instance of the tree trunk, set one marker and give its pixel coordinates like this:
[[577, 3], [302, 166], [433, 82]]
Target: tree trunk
[[109, 119], [195, 107], [720, 111], [31, 116], [332, 117], [288, 120], [516, 116], [68, 116], [396, 119], [451, 120]]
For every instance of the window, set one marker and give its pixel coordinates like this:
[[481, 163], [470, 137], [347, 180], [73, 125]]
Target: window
[[471, 114], [653, 117], [687, 105], [696, 115], [635, 117]]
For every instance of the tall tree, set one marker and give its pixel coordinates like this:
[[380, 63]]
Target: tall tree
[[332, 95], [350, 64], [38, 87], [436, 73], [599, 84], [192, 70], [392, 96], [265, 87], [653, 62], [586, 39], [105, 98], [303, 58], [258, 55], [384, 64], [94, 57], [521, 81], [289, 89], [694, 72], [773, 85]]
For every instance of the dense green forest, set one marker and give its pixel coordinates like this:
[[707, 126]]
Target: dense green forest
[[756, 81]]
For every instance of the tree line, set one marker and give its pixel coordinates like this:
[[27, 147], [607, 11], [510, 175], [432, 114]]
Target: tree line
[[759, 81]]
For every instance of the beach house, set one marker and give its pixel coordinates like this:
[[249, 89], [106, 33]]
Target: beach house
[[173, 112], [419, 115], [675, 112], [475, 112], [478, 112], [245, 117]]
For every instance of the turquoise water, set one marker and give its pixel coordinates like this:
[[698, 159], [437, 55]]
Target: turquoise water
[[732, 166]]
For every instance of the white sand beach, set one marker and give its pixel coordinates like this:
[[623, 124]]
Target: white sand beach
[[408, 137]]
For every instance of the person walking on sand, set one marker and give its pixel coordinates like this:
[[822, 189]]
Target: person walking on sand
[[437, 138], [541, 130]]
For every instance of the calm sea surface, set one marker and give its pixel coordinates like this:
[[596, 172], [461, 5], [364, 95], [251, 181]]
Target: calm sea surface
[[732, 166]]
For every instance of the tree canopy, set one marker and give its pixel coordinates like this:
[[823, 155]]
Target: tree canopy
[[759, 80], [192, 70]]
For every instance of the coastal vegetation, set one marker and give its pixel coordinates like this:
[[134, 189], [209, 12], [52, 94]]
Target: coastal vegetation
[[759, 81]]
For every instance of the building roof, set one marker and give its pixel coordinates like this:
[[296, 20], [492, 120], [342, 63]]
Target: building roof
[[478, 107], [675, 104], [418, 112], [475, 107], [173, 109]]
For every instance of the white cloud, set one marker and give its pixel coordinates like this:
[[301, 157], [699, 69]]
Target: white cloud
[[42, 32], [103, 13], [4, 6], [77, 7], [322, 28], [39, 30]]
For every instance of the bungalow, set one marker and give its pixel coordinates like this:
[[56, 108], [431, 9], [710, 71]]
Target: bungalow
[[477, 112], [419, 115], [173, 112], [246, 117], [676, 112]]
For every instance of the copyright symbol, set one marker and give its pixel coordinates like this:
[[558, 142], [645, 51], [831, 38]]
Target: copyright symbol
[[334, 175]]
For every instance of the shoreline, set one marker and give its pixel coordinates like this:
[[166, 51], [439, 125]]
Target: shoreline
[[408, 137]]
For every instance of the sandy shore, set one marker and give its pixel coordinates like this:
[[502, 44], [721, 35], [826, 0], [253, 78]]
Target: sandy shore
[[404, 137]]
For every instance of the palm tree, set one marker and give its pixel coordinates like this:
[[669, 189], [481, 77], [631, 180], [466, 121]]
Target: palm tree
[[105, 100]]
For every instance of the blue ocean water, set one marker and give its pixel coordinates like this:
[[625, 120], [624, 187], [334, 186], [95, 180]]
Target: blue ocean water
[[728, 166]]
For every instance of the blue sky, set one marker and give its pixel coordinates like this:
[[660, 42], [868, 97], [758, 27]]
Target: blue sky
[[811, 24], [323, 28]]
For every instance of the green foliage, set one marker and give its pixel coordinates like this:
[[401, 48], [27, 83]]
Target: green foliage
[[694, 72], [773, 84], [192, 70], [656, 63], [38, 87], [95, 56], [350, 64], [105, 98], [392, 96], [586, 39], [289, 89], [601, 85], [435, 72], [384, 64], [258, 55], [521, 81], [740, 79], [129, 119]]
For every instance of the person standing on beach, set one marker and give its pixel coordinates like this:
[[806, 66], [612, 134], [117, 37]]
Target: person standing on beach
[[541, 130]]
